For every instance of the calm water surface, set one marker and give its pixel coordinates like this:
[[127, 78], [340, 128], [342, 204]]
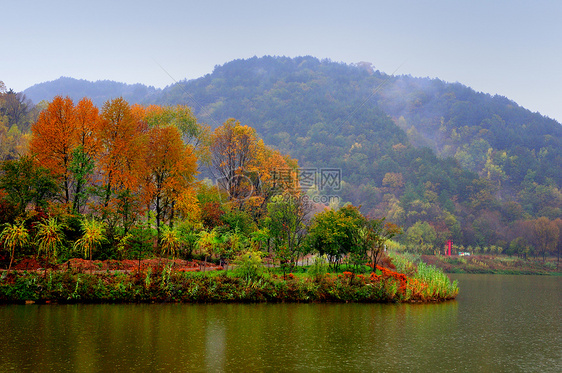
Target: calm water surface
[[497, 324]]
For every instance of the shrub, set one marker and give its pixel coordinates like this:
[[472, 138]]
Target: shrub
[[319, 268], [249, 265]]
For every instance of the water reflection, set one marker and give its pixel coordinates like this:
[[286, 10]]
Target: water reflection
[[498, 323], [215, 349]]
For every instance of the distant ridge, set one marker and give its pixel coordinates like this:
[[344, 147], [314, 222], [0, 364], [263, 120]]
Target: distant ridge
[[99, 91]]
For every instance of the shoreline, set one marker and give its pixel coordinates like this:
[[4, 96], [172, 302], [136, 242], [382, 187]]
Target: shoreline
[[487, 264], [169, 286]]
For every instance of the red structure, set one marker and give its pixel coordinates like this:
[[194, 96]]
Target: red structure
[[449, 246]]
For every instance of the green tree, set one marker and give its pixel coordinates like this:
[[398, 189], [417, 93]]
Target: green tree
[[373, 236], [421, 233], [335, 233], [286, 223], [24, 182], [249, 265], [81, 167]]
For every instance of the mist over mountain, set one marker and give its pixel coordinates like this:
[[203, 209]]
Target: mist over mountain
[[423, 152]]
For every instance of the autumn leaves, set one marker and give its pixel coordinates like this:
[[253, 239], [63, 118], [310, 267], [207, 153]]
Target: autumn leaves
[[118, 162], [245, 167]]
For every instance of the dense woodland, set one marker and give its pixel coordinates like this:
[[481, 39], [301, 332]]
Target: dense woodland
[[120, 183], [438, 159]]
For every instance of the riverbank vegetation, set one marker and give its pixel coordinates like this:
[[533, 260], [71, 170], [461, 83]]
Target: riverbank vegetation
[[249, 281], [485, 259], [493, 264]]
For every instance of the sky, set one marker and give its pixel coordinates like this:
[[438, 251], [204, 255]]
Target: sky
[[511, 48]]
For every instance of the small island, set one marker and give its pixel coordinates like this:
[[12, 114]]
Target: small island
[[119, 188]]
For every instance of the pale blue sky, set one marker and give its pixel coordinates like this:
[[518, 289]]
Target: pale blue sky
[[511, 48]]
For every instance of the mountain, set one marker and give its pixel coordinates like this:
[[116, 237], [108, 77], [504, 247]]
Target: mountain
[[99, 92], [430, 155]]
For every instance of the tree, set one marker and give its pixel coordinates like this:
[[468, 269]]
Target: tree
[[170, 169], [194, 134], [170, 242], [209, 243], [13, 142], [65, 139], [421, 233], [233, 153], [545, 235], [25, 182], [247, 169], [15, 106], [335, 233], [87, 146], [373, 236], [188, 206], [286, 219], [520, 247], [277, 175], [81, 168], [121, 159], [53, 140]]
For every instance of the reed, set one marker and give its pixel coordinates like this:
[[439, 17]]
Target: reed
[[426, 281]]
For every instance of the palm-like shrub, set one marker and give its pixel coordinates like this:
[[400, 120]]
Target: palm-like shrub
[[49, 238], [14, 236], [170, 241], [92, 238], [209, 243]]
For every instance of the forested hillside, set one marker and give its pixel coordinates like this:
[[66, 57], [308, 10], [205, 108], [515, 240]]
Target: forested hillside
[[435, 157], [439, 159]]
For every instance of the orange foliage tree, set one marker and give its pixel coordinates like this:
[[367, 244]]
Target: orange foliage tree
[[170, 168], [233, 155], [193, 133], [54, 138], [121, 159], [65, 141], [246, 168]]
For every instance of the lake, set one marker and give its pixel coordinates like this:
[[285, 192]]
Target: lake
[[497, 324]]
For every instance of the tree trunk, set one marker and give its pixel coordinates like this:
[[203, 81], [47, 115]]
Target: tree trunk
[[11, 259], [158, 219], [172, 210], [76, 204]]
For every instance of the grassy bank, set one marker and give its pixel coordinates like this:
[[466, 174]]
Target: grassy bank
[[164, 284], [492, 265]]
